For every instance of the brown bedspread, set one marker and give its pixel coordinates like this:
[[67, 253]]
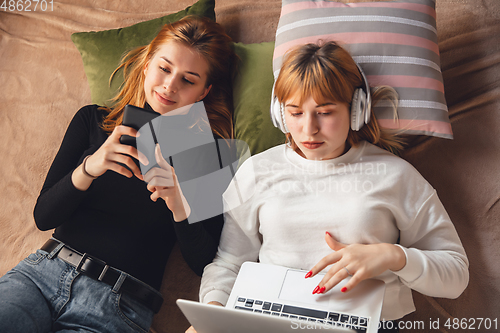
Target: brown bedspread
[[42, 85]]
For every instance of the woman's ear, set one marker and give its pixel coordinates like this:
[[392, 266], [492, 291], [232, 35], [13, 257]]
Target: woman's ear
[[205, 93], [145, 70]]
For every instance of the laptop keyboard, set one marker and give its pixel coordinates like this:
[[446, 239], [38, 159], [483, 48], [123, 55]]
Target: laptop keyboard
[[312, 316]]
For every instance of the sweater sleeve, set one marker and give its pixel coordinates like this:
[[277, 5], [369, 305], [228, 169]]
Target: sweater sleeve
[[240, 239], [59, 198], [436, 263], [211, 164], [198, 241]]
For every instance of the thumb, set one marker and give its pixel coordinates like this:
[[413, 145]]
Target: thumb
[[159, 158], [333, 243]]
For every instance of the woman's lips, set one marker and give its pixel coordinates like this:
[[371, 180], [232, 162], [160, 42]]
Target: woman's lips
[[312, 144], [164, 100]]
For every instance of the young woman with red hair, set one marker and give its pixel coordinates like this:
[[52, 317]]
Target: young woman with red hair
[[102, 268]]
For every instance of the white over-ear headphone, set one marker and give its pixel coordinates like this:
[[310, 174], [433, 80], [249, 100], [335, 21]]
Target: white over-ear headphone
[[278, 113], [360, 107], [361, 104]]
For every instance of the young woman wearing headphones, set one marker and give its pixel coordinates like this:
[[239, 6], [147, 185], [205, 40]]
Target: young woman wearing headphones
[[334, 194]]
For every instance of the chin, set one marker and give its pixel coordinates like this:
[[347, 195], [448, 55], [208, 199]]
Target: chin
[[161, 109]]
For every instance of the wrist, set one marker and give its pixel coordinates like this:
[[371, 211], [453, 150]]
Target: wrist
[[80, 181], [399, 258], [84, 168], [215, 296], [181, 214], [180, 208]]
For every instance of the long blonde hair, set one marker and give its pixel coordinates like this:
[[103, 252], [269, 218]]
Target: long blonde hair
[[327, 71], [211, 42]]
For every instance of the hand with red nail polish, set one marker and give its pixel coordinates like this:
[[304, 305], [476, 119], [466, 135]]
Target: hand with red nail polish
[[357, 261]]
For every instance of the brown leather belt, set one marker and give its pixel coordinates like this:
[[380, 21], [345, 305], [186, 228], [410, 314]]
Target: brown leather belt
[[99, 270]]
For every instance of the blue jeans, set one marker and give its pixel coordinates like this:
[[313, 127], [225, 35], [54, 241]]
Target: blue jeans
[[45, 294]]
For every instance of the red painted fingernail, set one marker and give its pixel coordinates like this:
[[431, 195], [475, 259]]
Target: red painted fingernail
[[344, 289], [322, 290], [315, 290], [309, 274], [328, 234]]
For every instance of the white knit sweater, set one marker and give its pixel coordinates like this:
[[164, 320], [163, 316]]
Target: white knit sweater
[[279, 206]]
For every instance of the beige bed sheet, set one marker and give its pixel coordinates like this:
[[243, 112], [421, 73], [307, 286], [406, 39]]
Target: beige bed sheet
[[43, 84]]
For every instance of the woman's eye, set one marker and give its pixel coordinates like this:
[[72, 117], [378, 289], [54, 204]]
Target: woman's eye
[[167, 70], [324, 113], [295, 114]]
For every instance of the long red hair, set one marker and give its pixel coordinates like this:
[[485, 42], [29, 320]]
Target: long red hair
[[210, 41]]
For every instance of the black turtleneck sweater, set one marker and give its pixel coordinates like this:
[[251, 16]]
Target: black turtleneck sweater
[[115, 220]]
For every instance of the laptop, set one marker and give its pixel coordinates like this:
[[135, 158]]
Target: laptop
[[270, 298]]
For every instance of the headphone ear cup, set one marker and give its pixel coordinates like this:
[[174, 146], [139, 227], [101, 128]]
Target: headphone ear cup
[[277, 115], [358, 105], [361, 104], [368, 111]]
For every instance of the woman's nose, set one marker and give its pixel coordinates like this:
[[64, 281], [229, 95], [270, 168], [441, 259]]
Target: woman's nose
[[170, 84], [311, 125]]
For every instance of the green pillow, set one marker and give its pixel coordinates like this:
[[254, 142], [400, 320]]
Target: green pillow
[[101, 51], [252, 96]]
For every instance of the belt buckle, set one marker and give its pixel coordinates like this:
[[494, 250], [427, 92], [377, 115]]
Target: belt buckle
[[81, 262]]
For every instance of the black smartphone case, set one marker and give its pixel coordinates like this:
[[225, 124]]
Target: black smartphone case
[[135, 117]]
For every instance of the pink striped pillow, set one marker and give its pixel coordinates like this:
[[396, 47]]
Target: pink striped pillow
[[394, 42]]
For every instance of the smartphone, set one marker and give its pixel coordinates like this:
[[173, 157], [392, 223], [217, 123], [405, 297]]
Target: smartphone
[[136, 118]]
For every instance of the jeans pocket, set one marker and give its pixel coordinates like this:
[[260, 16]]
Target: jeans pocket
[[35, 258], [135, 314]]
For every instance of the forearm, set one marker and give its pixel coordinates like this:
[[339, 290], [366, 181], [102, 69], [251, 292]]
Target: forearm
[[198, 245], [56, 204], [60, 196], [236, 246], [436, 261], [435, 273], [217, 281]]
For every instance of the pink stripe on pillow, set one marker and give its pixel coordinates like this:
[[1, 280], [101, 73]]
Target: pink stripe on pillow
[[404, 81], [347, 38], [293, 7], [290, 8], [418, 125]]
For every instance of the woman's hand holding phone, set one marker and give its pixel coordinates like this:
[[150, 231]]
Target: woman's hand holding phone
[[163, 183], [113, 155], [109, 157]]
